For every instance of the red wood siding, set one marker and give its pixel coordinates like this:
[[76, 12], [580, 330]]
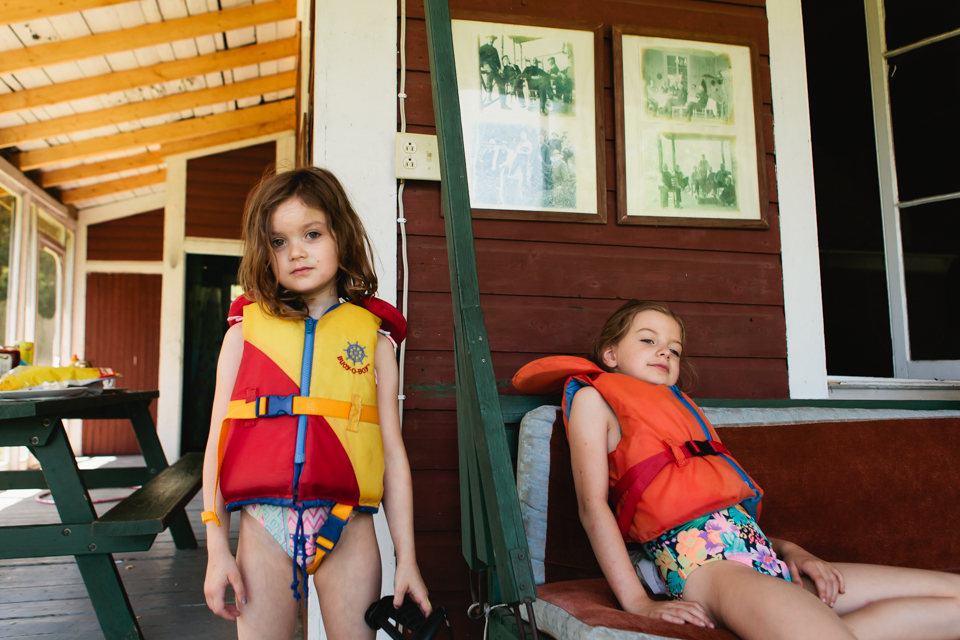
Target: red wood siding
[[138, 237], [217, 188], [547, 287], [123, 333]]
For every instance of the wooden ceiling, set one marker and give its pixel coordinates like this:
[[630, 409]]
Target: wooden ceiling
[[94, 94]]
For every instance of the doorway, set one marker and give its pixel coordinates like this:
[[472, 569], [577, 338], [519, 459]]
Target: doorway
[[211, 285]]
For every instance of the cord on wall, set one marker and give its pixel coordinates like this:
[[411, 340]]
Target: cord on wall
[[401, 219]]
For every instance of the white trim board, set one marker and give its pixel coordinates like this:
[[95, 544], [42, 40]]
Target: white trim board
[[802, 305], [124, 209], [212, 246], [124, 266], [171, 309], [355, 126]]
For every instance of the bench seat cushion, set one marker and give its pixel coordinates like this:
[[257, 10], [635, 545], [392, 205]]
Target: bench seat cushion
[[875, 491], [588, 610]]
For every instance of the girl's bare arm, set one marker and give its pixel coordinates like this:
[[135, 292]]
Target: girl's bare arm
[[590, 420], [221, 565], [397, 485]]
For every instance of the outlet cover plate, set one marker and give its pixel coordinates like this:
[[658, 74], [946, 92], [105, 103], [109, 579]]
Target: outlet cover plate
[[417, 157]]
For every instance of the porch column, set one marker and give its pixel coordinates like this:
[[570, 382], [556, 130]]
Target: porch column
[[802, 304], [355, 124]]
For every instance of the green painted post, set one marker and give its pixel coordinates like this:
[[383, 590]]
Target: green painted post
[[478, 404]]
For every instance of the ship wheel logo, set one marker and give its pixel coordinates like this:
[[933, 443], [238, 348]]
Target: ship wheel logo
[[355, 353]]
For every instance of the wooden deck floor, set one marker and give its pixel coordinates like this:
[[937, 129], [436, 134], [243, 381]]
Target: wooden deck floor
[[46, 597]]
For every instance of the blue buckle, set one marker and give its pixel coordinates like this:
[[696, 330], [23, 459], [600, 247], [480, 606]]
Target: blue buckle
[[276, 406], [331, 530]]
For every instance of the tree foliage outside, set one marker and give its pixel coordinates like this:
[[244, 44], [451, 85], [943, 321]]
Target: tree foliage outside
[[47, 285], [7, 204]]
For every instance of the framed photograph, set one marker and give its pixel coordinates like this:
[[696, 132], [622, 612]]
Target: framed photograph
[[689, 138], [530, 97]]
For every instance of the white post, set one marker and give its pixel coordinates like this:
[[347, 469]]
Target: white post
[[355, 124], [802, 304], [286, 153], [171, 308]]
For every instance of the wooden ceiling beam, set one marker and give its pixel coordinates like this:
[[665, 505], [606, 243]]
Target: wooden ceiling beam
[[286, 123], [62, 176], [146, 109], [80, 172], [12, 11], [113, 186], [163, 72], [146, 35], [172, 132]]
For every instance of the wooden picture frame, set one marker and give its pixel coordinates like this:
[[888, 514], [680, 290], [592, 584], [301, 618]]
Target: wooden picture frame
[[509, 131], [689, 130]]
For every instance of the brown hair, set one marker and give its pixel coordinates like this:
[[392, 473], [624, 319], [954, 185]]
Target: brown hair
[[317, 189], [617, 326]]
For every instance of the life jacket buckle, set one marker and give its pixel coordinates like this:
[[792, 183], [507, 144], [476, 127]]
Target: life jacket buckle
[[701, 448], [274, 406]]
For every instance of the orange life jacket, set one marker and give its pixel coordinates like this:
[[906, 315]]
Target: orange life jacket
[[669, 466]]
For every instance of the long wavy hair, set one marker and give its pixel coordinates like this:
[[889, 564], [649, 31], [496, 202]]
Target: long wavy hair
[[617, 326], [317, 189]]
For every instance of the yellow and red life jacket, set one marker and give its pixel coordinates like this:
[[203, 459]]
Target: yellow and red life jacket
[[302, 428], [669, 466]]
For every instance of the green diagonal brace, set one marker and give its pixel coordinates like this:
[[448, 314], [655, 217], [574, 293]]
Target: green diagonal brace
[[478, 404]]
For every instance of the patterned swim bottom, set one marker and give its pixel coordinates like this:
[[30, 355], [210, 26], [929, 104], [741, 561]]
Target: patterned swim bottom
[[281, 522], [729, 534]]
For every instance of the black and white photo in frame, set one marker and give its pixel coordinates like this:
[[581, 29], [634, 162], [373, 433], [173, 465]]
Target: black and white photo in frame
[[529, 113], [689, 149]]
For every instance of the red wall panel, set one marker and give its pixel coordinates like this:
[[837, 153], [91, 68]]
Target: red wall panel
[[547, 287], [138, 237], [123, 333], [217, 188]]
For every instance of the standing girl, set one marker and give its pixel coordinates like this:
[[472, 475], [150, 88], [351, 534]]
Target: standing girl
[[638, 440], [305, 433]]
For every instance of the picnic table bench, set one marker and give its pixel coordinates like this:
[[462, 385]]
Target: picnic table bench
[[131, 525]]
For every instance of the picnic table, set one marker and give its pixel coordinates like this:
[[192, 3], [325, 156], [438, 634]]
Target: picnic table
[[132, 525]]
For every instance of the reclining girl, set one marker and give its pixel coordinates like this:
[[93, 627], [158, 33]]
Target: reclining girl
[[639, 442]]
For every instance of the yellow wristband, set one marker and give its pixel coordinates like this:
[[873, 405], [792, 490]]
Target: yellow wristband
[[207, 516]]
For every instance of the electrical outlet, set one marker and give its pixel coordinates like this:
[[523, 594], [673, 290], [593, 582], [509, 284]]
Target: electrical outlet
[[417, 157]]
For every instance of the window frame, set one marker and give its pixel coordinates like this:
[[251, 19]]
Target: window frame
[[890, 204], [13, 278], [45, 243]]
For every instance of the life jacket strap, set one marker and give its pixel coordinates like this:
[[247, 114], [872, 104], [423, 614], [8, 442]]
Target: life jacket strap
[[329, 534], [638, 477], [294, 405], [272, 406]]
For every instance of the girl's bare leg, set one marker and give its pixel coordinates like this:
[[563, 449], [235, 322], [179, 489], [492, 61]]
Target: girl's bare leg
[[759, 607], [892, 603], [271, 610], [348, 581]]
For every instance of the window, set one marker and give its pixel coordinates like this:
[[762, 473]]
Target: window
[[49, 311], [887, 186], [910, 43], [8, 210]]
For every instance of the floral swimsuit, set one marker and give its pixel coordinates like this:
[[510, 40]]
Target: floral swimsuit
[[728, 534]]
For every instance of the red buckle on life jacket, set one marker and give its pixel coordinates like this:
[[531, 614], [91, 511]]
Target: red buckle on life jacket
[[638, 477]]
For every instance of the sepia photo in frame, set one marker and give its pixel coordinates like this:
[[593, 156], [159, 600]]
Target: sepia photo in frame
[[689, 148], [531, 123]]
